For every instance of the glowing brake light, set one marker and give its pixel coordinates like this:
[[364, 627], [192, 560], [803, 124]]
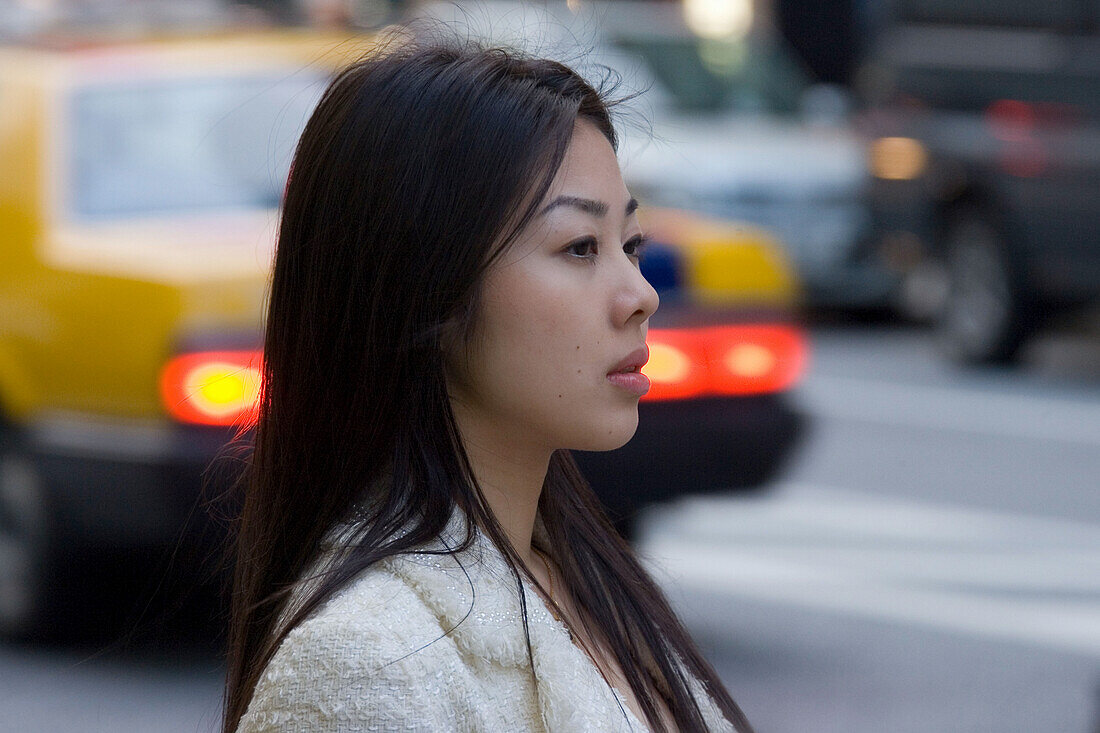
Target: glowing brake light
[[749, 360], [674, 368], [212, 387], [667, 363], [724, 360], [897, 158]]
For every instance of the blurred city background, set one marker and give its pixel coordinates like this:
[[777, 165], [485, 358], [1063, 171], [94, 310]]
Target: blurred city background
[[868, 469]]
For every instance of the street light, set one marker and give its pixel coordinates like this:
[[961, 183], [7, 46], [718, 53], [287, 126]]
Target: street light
[[725, 19]]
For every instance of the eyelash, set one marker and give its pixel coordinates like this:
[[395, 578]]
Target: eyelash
[[638, 242]]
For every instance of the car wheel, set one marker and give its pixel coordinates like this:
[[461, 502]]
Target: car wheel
[[983, 318], [24, 546]]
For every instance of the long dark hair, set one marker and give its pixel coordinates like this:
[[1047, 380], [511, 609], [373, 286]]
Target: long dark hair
[[420, 165]]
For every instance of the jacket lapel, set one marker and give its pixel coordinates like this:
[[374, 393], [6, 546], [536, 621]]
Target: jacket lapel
[[475, 597]]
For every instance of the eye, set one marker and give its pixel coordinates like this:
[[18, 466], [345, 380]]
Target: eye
[[635, 245], [582, 248]]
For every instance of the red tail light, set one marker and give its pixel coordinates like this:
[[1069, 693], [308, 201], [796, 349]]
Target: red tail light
[[212, 387], [223, 387], [724, 360]]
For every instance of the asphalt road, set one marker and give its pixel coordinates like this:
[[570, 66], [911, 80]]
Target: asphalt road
[[930, 561]]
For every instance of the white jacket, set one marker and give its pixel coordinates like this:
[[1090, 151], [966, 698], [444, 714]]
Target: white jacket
[[435, 643]]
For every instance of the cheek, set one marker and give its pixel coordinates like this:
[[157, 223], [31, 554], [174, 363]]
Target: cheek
[[540, 335], [533, 332], [539, 366]]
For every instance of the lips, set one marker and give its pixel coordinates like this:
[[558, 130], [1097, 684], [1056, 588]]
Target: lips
[[626, 374], [633, 361]]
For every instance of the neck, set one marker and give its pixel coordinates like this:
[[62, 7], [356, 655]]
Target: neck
[[510, 473]]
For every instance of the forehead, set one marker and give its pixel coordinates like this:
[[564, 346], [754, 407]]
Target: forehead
[[589, 168], [589, 171]]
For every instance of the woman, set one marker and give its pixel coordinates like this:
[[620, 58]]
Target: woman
[[456, 302]]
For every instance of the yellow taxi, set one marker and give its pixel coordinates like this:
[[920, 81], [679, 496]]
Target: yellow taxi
[[139, 189]]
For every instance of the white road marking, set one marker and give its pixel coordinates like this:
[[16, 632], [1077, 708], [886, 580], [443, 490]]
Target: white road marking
[[992, 574], [954, 408]]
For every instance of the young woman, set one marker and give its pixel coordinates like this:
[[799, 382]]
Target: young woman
[[456, 302]]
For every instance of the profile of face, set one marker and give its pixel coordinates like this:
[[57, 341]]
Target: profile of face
[[563, 312]]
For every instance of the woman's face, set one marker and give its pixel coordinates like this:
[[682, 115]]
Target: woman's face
[[562, 310]]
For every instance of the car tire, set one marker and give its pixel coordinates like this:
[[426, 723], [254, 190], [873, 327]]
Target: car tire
[[985, 317], [25, 547]]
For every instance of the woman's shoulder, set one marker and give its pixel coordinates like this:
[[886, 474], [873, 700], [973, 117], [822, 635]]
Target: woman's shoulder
[[390, 603], [368, 645], [373, 613]]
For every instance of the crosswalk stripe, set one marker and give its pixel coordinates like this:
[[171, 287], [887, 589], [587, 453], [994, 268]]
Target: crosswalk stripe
[[983, 413], [984, 573]]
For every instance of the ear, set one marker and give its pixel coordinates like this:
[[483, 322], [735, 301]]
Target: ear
[[453, 345], [450, 335]]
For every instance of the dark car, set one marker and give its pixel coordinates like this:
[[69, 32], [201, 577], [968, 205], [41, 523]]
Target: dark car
[[984, 129]]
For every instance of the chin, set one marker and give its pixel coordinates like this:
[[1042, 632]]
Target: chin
[[610, 434]]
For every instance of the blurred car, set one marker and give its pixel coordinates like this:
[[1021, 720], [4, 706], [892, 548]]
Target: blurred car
[[139, 196], [731, 126], [138, 199], [984, 127]]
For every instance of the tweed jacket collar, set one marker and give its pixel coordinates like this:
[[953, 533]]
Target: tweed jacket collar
[[474, 594]]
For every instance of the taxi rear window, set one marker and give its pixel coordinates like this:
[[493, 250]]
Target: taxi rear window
[[177, 146]]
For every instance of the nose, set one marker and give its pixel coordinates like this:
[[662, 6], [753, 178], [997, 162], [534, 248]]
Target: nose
[[636, 300]]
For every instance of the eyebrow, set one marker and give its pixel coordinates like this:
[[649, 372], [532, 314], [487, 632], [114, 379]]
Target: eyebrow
[[589, 206]]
